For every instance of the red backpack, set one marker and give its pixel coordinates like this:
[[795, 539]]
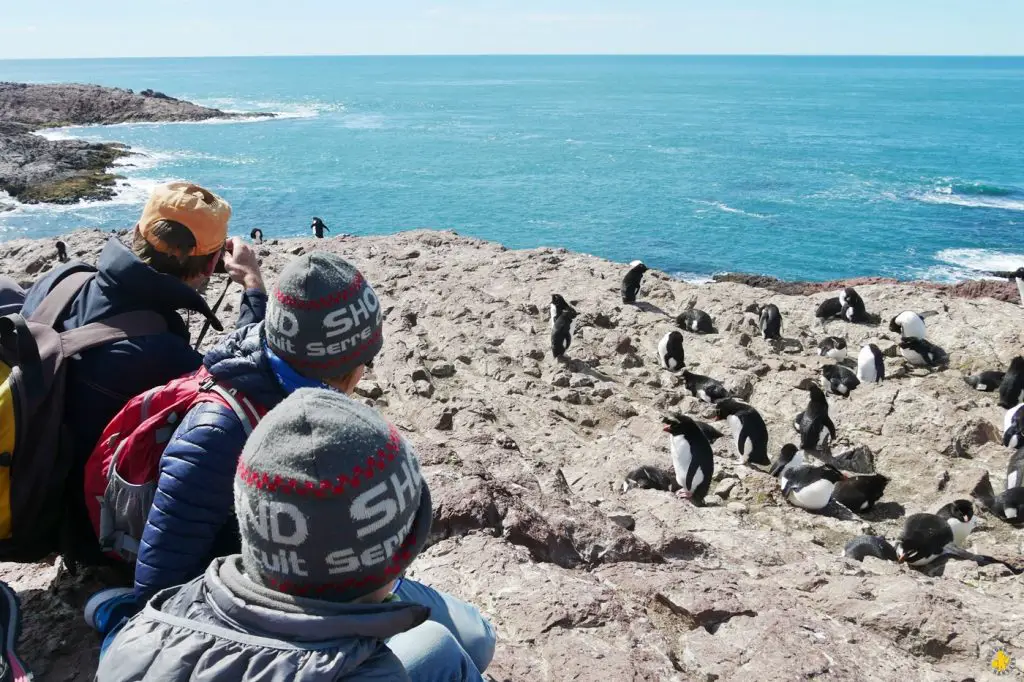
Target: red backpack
[[122, 471]]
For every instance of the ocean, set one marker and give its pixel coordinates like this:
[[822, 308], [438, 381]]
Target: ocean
[[799, 167]]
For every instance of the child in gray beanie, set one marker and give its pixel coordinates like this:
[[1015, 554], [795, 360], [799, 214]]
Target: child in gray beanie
[[332, 509]]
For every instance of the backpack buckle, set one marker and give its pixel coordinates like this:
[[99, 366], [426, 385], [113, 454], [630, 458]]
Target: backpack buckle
[[207, 385]]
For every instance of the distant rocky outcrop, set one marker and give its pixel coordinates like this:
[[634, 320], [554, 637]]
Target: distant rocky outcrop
[[525, 457], [36, 170], [999, 289]]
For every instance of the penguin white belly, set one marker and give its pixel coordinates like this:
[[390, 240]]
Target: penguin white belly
[[554, 314], [1014, 442], [1020, 289], [1011, 480], [960, 530], [737, 430], [681, 458], [842, 389], [694, 325], [925, 561], [911, 325], [663, 352], [982, 387], [698, 478], [814, 496], [1008, 417], [1010, 512], [824, 436], [913, 357], [703, 395], [866, 366], [837, 354]]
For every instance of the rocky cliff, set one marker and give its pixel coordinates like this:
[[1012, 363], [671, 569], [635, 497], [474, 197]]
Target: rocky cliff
[[525, 456], [34, 169]]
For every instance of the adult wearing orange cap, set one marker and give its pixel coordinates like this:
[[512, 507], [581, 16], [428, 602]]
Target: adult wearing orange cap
[[175, 247]]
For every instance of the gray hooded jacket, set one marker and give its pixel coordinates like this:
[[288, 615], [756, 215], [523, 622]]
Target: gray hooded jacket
[[223, 627]]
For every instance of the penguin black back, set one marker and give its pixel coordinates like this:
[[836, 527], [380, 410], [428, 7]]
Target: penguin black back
[[1015, 469], [770, 321], [256, 235], [670, 351], [650, 478], [841, 380], [561, 334], [1011, 390], [859, 493], [704, 388], [830, 307], [922, 353], [923, 539], [631, 281], [750, 434], [696, 321], [692, 457], [62, 251], [869, 545], [1013, 433], [987, 381], [558, 304], [832, 347]]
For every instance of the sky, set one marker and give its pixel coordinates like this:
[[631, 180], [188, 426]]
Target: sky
[[142, 28]]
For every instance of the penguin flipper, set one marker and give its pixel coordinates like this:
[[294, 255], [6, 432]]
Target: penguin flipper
[[982, 559]]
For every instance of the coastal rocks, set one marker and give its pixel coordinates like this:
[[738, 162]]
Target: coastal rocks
[[525, 457], [34, 169]]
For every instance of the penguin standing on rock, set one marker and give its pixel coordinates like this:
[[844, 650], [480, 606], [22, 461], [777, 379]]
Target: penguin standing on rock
[[832, 347], [922, 353], [853, 305], [908, 324], [692, 457], [670, 351], [256, 235], [318, 228], [704, 388], [859, 493], [869, 545], [810, 487], [959, 516], [1011, 389], [749, 432], [631, 282], [558, 304], [561, 334], [770, 322], [985, 381], [814, 425], [62, 251], [840, 380], [871, 365]]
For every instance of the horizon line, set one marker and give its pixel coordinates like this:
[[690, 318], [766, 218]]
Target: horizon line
[[785, 55]]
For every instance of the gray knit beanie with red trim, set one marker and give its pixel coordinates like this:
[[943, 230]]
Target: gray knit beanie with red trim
[[323, 318], [330, 500]]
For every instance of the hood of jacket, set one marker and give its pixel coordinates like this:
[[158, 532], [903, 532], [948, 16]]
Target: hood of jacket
[[240, 362], [123, 282]]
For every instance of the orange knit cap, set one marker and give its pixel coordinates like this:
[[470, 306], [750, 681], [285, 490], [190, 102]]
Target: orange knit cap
[[204, 213]]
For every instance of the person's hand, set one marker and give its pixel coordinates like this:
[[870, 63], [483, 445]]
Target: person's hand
[[241, 264]]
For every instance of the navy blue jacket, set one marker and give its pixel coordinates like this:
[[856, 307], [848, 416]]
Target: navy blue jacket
[[104, 379], [192, 519]]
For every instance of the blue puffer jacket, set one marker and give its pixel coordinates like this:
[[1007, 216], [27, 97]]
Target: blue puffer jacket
[[192, 518], [104, 379]]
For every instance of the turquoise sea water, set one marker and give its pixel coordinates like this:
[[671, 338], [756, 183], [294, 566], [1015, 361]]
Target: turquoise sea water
[[798, 167]]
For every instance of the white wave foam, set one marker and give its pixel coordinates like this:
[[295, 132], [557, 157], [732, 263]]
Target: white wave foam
[[974, 260], [945, 195], [363, 121], [691, 277], [725, 208]]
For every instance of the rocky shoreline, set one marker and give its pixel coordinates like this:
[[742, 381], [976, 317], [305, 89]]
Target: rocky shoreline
[[34, 169], [525, 457]]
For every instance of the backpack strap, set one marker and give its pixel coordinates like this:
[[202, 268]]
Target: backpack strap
[[230, 398], [60, 297], [114, 328]]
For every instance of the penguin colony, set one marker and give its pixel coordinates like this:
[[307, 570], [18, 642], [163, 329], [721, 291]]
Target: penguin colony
[[809, 477]]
